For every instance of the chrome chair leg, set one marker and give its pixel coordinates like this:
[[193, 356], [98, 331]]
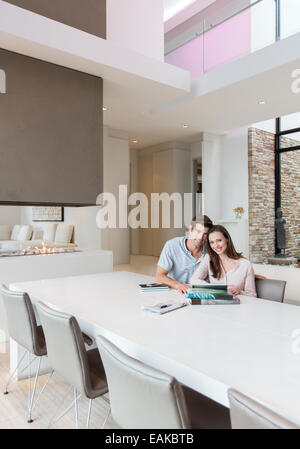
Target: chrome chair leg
[[53, 420], [89, 414], [76, 408], [61, 402], [107, 416], [29, 384], [30, 420], [31, 403], [43, 389]]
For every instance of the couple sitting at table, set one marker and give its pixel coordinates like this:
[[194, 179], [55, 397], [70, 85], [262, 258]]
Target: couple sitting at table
[[207, 254]]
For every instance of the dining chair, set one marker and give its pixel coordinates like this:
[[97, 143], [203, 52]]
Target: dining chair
[[246, 413], [142, 397], [270, 289], [68, 356], [23, 328]]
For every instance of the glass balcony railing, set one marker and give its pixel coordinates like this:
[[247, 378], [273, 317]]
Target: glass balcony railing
[[241, 28]]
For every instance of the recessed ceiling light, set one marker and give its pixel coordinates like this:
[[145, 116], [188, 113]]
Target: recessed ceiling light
[[135, 141], [261, 102], [185, 126], [104, 108]]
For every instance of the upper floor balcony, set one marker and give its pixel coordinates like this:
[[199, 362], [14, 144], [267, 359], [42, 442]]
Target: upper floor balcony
[[217, 36]]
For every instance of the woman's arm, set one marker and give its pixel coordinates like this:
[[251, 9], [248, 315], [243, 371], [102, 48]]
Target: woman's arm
[[249, 289], [202, 272]]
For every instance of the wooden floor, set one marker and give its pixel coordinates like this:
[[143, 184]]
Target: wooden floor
[[58, 394]]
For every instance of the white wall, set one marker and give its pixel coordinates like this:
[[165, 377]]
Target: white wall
[[211, 176], [138, 25], [86, 233], [9, 215], [234, 166], [116, 163], [225, 182]]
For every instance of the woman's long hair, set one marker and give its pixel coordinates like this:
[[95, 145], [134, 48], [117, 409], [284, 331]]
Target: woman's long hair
[[215, 263]]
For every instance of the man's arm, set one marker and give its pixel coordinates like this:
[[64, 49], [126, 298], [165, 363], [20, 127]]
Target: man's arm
[[162, 278]]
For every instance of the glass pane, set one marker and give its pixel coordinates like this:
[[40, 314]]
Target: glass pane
[[289, 17], [190, 55], [226, 41], [263, 24], [290, 121], [290, 200], [290, 140]]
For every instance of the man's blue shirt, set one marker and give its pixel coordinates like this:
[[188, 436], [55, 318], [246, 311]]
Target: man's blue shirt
[[178, 260]]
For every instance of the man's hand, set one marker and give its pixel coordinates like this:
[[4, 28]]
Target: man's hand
[[234, 290], [181, 288], [162, 278]]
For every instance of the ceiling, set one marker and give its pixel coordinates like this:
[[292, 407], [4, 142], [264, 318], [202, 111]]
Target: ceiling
[[223, 99], [178, 11], [173, 7], [150, 100]]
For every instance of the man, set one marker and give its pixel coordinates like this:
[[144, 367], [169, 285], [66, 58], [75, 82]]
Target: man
[[182, 255]]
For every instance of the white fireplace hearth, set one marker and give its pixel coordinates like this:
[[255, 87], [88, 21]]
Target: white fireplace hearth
[[43, 251]]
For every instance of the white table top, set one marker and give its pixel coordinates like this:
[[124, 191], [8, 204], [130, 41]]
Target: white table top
[[209, 348]]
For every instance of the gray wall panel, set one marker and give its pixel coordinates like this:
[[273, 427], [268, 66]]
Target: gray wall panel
[[51, 133], [86, 15]]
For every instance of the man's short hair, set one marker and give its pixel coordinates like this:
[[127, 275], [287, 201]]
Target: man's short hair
[[204, 220]]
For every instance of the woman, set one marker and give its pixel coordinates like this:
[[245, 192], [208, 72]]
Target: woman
[[223, 265]]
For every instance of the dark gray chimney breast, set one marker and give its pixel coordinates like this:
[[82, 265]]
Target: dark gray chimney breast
[[51, 134]]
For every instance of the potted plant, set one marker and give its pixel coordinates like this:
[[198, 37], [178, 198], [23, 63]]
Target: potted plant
[[238, 212]]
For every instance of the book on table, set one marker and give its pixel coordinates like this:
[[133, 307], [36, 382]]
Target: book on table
[[210, 294], [214, 302], [165, 307], [154, 287]]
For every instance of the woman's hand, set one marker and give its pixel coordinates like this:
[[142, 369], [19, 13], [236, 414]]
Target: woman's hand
[[234, 290]]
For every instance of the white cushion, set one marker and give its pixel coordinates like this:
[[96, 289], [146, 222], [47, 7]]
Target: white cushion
[[15, 232], [5, 232], [49, 231], [38, 234], [25, 233], [64, 233]]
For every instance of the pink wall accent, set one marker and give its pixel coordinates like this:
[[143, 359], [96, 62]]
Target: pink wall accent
[[188, 57], [225, 43]]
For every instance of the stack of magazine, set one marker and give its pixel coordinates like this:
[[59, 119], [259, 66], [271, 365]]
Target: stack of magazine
[[165, 307], [153, 287], [211, 294]]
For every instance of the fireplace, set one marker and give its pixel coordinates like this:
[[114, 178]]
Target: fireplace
[[35, 251]]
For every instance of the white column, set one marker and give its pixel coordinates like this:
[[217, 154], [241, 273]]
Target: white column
[[116, 172]]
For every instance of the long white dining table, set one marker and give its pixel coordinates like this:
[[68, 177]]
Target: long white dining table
[[251, 347]]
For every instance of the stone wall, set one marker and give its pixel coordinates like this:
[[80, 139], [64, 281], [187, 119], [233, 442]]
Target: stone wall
[[262, 195]]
